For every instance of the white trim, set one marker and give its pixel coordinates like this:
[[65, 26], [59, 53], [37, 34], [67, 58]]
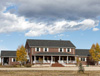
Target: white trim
[[44, 50], [36, 49], [62, 50]]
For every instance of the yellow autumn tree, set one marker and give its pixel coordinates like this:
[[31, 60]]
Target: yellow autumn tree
[[21, 54], [77, 60], [95, 53]]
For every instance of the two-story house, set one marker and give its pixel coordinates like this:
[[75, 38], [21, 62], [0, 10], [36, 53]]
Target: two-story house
[[49, 53]]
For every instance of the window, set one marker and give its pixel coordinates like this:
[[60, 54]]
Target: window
[[82, 59], [37, 49], [29, 50], [68, 50], [45, 49], [60, 49], [13, 59]]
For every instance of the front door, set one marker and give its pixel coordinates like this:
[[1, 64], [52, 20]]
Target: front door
[[55, 59]]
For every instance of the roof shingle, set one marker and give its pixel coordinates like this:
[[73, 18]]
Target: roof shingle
[[82, 52], [50, 43], [6, 53]]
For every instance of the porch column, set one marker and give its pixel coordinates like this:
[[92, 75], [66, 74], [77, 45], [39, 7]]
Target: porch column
[[67, 59], [43, 58], [31, 60], [51, 59], [9, 60], [34, 59], [59, 58], [75, 58], [2, 60]]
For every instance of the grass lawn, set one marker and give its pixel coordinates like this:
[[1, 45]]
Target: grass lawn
[[48, 73]]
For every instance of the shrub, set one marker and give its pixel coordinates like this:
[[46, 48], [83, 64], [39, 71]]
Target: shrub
[[28, 65], [15, 65], [81, 68]]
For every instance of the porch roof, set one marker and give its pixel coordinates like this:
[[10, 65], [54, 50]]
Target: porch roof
[[53, 54], [8, 53]]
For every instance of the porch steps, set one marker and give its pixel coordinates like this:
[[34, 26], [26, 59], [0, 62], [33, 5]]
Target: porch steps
[[57, 65]]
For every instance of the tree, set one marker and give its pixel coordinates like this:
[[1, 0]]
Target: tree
[[95, 53], [21, 55], [77, 61]]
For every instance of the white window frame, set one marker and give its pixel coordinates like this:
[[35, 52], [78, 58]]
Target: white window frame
[[45, 51], [62, 49], [67, 49], [36, 49]]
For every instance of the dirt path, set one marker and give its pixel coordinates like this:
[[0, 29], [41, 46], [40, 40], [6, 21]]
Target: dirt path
[[54, 68]]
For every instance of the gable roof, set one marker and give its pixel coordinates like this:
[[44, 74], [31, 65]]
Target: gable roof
[[50, 43], [82, 52], [8, 53]]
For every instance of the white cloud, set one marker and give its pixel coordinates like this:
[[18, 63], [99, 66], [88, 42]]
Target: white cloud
[[13, 23], [95, 29]]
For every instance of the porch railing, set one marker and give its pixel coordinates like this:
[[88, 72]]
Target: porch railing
[[64, 61], [49, 61]]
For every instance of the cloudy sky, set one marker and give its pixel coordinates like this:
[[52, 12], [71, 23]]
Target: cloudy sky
[[74, 20]]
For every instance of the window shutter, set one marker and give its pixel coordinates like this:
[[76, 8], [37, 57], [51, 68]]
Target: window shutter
[[12, 59], [47, 49], [85, 59], [39, 49], [62, 49], [70, 49], [79, 59], [35, 49], [66, 50]]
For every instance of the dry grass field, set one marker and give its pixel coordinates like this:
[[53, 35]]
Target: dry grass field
[[48, 73]]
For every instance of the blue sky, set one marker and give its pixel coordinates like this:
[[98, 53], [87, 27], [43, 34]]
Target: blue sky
[[22, 20]]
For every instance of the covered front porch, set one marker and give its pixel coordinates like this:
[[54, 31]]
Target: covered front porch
[[53, 59]]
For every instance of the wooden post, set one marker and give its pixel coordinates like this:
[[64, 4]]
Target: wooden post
[[67, 59]]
